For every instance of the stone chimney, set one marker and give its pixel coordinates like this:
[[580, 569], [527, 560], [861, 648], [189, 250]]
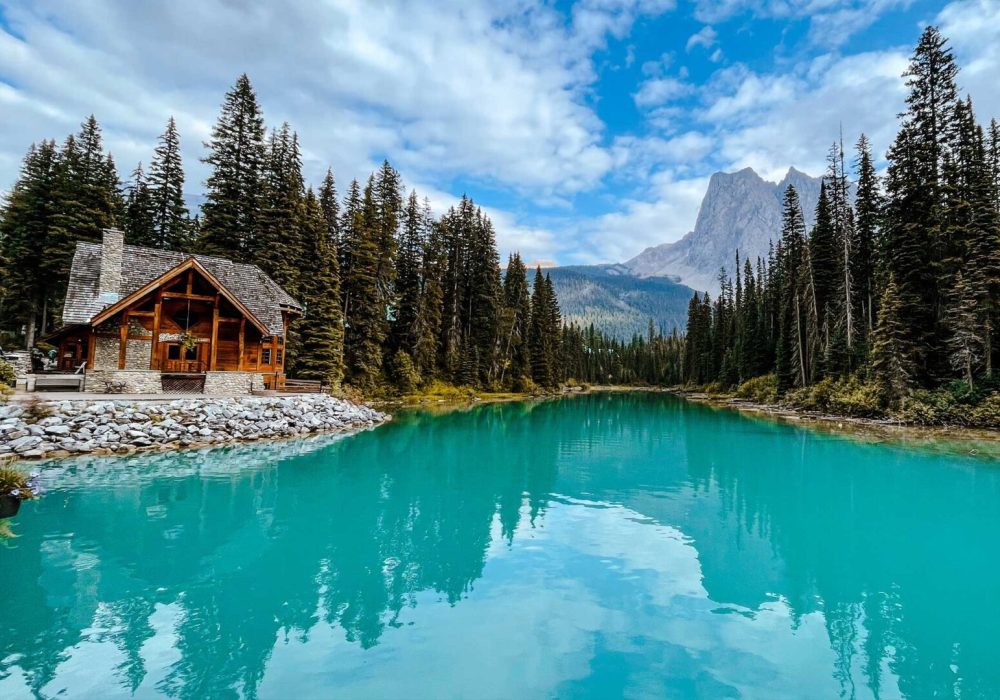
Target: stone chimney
[[109, 287]]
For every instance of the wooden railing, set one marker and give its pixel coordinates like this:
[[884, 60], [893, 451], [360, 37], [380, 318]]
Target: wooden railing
[[183, 366]]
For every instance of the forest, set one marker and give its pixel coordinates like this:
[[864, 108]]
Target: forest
[[889, 303], [395, 298]]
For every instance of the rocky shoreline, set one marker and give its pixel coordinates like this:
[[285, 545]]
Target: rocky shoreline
[[63, 429]]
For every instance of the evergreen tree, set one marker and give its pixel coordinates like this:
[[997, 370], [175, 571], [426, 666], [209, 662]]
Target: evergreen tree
[[281, 244], [364, 304], [139, 215], [892, 364], [26, 239], [540, 339], [408, 282], [237, 155], [867, 246], [171, 226], [965, 345], [915, 208], [516, 322], [331, 209], [321, 331], [428, 326]]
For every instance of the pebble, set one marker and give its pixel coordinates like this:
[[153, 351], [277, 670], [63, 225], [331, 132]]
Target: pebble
[[107, 427]]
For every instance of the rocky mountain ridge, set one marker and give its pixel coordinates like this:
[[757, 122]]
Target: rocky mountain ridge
[[741, 211]]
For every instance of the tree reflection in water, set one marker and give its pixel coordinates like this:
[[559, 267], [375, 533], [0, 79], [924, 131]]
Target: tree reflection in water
[[242, 548]]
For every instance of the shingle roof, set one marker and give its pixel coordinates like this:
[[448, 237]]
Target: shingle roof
[[248, 283]]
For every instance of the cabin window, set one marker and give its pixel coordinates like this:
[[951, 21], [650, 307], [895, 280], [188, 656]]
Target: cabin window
[[265, 356], [278, 356], [175, 352]]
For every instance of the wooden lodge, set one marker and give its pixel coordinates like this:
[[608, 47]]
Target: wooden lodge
[[145, 320]]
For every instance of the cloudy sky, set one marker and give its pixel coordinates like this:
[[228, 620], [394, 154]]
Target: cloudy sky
[[586, 129]]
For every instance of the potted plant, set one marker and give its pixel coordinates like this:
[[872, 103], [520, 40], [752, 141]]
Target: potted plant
[[188, 341], [16, 486]]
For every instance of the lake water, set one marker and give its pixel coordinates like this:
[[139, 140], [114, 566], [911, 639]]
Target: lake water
[[598, 546]]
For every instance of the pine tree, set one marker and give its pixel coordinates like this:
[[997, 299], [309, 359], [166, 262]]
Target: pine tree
[[965, 346], [517, 320], [331, 209], [408, 282], [915, 206], [139, 215], [364, 305], [321, 331], [892, 365], [428, 328], [26, 232], [483, 298], [540, 340], [867, 246], [237, 155], [171, 226], [281, 245]]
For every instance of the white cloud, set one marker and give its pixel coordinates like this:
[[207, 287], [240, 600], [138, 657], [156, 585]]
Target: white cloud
[[665, 214], [657, 91], [705, 37], [831, 22], [491, 92]]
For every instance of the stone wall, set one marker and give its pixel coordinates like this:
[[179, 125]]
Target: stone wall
[[106, 353], [232, 383], [137, 353], [137, 381], [21, 362]]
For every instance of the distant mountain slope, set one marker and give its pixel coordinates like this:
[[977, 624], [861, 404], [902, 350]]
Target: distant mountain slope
[[618, 302], [740, 211]]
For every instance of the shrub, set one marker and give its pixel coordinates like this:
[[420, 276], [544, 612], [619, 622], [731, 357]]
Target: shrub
[[763, 389], [7, 374], [714, 388], [524, 385], [938, 407], [987, 413], [35, 409], [853, 397], [14, 482], [404, 374]]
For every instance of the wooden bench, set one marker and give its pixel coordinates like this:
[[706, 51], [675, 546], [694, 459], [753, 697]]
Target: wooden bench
[[59, 381], [301, 386]]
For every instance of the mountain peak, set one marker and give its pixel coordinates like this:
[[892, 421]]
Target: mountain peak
[[740, 212]]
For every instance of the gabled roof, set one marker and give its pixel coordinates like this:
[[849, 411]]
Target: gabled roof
[[247, 284]]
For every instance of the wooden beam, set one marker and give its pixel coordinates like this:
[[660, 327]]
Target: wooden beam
[[154, 351], [187, 265], [122, 340], [243, 327], [190, 282], [215, 333], [192, 297], [144, 314], [91, 349]]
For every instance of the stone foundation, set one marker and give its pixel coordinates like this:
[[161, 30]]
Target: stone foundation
[[232, 383], [137, 381]]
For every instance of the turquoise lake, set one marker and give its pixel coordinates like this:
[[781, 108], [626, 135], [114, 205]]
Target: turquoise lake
[[592, 547]]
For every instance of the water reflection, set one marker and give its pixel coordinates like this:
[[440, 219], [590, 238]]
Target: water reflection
[[625, 545]]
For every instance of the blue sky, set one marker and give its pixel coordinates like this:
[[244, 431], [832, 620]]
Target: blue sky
[[586, 129]]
